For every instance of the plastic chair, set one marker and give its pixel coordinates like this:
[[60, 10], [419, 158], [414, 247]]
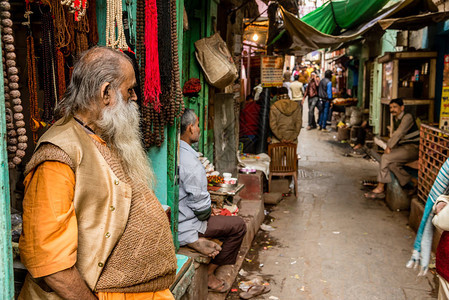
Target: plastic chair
[[284, 162]]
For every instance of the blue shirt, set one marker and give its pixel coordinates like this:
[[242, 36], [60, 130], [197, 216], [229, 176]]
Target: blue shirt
[[193, 195], [329, 90]]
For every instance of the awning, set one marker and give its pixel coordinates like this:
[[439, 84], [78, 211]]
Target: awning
[[414, 22], [306, 38], [333, 16]]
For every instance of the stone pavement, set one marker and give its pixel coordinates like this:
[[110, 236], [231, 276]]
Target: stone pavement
[[331, 242]]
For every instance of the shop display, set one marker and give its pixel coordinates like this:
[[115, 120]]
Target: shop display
[[15, 124], [169, 105]]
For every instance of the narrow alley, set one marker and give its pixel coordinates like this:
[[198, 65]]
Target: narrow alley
[[332, 243]]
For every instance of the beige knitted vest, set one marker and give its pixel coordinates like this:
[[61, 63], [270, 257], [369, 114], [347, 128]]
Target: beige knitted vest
[[124, 238]]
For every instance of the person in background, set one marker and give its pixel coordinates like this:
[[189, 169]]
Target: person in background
[[297, 90], [325, 95], [303, 76], [311, 94], [287, 74], [257, 89], [287, 84], [402, 148], [89, 195], [295, 72], [249, 124], [198, 221]]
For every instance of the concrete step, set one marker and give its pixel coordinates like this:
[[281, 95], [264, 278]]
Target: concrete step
[[252, 211]]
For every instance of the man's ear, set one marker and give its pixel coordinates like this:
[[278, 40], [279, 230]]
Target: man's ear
[[105, 93], [190, 128]]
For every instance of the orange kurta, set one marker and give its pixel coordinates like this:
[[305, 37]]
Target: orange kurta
[[49, 242]]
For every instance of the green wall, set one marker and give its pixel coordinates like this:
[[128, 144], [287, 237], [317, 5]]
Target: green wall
[[6, 269]]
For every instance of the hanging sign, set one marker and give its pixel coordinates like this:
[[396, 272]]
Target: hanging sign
[[271, 70], [444, 112]]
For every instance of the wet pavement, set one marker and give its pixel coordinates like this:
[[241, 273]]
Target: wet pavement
[[331, 242]]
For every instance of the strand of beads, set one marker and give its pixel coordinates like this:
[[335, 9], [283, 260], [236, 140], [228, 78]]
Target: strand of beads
[[17, 139], [114, 19]]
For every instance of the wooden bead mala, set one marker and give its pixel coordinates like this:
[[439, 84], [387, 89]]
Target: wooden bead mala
[[35, 118], [172, 103], [49, 67], [15, 124]]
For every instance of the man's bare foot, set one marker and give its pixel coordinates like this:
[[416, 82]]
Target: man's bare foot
[[378, 189], [206, 247], [216, 285]]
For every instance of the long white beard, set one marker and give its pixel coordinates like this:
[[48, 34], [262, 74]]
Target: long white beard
[[119, 126]]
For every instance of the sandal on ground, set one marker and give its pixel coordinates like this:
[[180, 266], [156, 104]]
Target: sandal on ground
[[222, 288], [373, 195], [369, 183], [255, 290]]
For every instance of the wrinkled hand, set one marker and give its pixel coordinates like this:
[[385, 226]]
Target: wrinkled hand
[[216, 211], [387, 150], [439, 207]]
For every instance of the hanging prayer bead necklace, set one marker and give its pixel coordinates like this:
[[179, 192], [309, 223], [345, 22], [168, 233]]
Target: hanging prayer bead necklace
[[114, 25], [15, 124], [48, 56]]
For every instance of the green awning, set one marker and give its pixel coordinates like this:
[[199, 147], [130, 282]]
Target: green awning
[[335, 15], [401, 15]]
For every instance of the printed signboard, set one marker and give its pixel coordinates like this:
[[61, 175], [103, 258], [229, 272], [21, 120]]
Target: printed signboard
[[271, 70]]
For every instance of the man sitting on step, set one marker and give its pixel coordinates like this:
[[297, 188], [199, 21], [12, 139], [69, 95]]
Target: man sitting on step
[[402, 148], [197, 220]]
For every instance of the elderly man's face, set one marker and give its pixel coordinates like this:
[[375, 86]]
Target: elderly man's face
[[195, 137], [128, 85]]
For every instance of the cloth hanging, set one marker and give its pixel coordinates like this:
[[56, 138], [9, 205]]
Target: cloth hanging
[[152, 75]]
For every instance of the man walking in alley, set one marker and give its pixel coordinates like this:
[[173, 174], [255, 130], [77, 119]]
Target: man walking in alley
[[325, 94], [89, 196], [197, 220], [402, 148], [311, 94]]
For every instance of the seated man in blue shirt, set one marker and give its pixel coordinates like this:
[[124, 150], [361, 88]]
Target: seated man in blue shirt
[[197, 220]]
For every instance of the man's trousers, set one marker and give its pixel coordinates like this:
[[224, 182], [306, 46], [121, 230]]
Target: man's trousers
[[394, 161], [312, 101], [229, 230]]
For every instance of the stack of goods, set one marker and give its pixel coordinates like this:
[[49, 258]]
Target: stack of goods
[[344, 101]]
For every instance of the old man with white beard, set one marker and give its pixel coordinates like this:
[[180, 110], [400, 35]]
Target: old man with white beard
[[92, 225]]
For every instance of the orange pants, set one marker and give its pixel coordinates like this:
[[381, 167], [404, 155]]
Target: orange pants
[[160, 295]]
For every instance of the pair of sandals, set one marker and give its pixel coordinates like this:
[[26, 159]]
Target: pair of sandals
[[371, 194], [254, 291]]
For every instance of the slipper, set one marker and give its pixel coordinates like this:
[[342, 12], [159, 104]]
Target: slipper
[[223, 288], [369, 183], [373, 195], [255, 290]]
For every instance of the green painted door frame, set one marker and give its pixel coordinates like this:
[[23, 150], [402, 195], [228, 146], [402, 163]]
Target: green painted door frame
[[201, 17], [6, 268]]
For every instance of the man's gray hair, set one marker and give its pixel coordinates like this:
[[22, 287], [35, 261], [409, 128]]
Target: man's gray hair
[[95, 67], [188, 118]]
